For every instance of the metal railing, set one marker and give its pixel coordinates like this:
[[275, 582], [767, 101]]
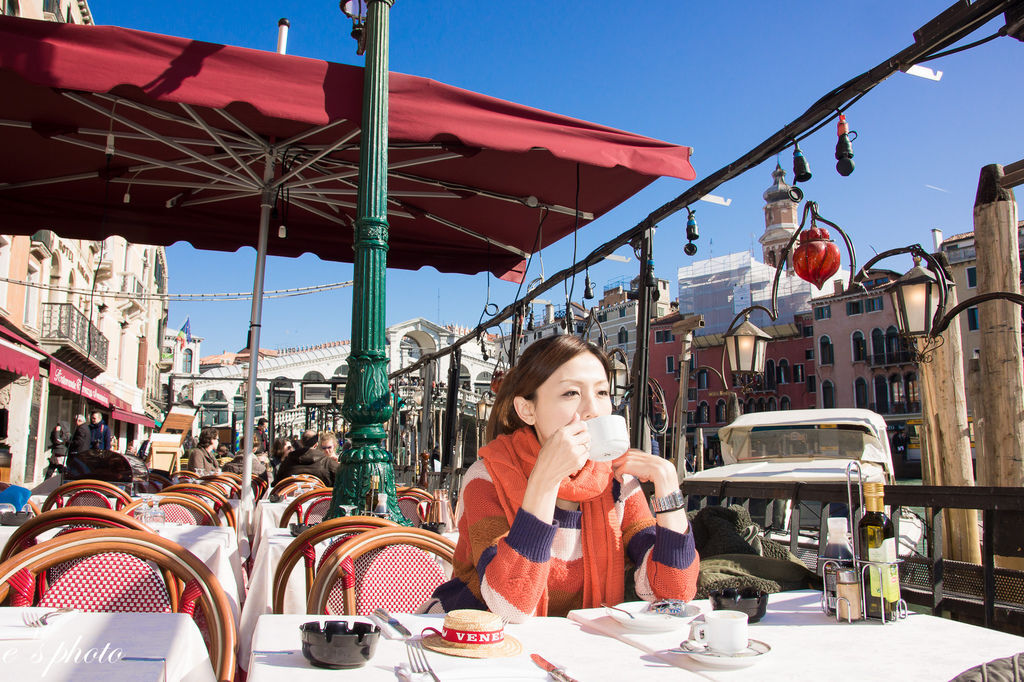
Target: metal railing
[[65, 323], [980, 592]]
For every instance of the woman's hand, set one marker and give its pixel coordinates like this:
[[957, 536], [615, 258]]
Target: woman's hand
[[562, 455], [637, 463]]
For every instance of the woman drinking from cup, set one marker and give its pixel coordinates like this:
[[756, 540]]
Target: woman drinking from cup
[[544, 529]]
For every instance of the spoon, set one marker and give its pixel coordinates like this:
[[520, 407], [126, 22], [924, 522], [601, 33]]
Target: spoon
[[609, 606]]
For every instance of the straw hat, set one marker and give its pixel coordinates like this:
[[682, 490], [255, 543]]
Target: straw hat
[[472, 634]]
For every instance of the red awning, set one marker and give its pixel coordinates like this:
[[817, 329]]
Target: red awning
[[13, 360], [72, 380], [132, 417], [474, 183]]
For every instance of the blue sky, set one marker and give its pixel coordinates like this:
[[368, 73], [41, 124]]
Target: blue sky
[[720, 77]]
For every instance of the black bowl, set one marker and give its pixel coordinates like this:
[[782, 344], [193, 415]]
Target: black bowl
[[298, 529], [14, 518], [337, 645], [748, 600]]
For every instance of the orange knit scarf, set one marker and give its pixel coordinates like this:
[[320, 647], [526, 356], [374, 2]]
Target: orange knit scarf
[[510, 459]]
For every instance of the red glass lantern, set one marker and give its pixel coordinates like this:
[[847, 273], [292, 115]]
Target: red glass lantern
[[496, 379], [817, 257]]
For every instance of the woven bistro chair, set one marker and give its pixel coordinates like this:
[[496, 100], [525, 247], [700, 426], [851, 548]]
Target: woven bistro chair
[[87, 493], [310, 507], [113, 571], [179, 508], [304, 547], [209, 496], [79, 518], [259, 487], [228, 487], [392, 568], [414, 503]]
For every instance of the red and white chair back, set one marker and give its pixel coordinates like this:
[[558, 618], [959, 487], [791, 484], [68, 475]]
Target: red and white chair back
[[97, 583]]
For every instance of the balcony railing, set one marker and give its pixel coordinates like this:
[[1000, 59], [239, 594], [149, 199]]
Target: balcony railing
[[63, 322], [899, 357]]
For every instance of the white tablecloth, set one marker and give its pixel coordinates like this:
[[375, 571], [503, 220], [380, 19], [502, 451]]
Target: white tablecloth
[[108, 647], [266, 518], [806, 645], [215, 546]]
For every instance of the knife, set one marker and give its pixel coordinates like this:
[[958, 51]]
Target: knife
[[392, 621], [556, 672]]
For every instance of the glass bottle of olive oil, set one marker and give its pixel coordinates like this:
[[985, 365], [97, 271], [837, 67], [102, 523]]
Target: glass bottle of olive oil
[[878, 545]]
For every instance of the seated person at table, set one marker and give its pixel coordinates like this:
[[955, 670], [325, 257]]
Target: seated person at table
[[543, 530], [202, 457], [234, 466], [309, 459]]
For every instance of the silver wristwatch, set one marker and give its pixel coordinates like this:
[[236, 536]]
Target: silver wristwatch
[[673, 502]]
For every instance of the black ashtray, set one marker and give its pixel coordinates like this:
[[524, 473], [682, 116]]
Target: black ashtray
[[337, 645], [14, 518], [434, 527], [748, 600], [298, 529], [274, 498]]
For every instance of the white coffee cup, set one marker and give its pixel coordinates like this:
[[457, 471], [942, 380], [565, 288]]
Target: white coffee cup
[[722, 631], [609, 437]]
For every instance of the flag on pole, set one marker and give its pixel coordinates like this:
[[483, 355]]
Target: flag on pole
[[184, 334]]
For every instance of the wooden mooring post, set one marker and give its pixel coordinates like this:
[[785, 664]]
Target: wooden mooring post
[[1001, 361]]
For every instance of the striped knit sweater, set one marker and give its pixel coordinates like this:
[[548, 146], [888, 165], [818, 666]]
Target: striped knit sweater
[[504, 569]]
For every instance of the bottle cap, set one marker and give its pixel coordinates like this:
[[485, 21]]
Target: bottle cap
[[846, 576], [874, 489]]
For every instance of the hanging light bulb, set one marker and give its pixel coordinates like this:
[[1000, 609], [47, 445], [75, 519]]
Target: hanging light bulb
[[692, 234], [588, 289], [844, 150], [691, 225], [801, 169]]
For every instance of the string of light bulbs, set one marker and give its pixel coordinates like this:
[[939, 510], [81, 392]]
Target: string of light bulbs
[[211, 297]]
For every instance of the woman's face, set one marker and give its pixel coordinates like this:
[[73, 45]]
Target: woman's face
[[580, 386]]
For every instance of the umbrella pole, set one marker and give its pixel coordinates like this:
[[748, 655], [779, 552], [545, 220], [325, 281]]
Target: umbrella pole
[[245, 506], [367, 404]]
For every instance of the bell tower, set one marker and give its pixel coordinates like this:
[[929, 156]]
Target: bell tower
[[780, 219]]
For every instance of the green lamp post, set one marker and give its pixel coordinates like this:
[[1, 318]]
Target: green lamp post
[[367, 404]]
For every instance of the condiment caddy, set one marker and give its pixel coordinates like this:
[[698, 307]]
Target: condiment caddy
[[854, 583]]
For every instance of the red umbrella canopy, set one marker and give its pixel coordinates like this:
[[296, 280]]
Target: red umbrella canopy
[[160, 139]]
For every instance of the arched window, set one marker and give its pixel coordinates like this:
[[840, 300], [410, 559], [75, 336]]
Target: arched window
[[211, 397], [313, 375], [483, 382], [828, 394], [896, 397], [702, 379], [771, 405], [769, 374], [913, 395], [760, 405], [623, 338], [881, 395], [186, 361], [825, 354], [783, 371], [702, 413], [341, 372], [785, 404], [720, 412], [892, 345], [750, 407], [877, 346], [860, 349], [860, 393]]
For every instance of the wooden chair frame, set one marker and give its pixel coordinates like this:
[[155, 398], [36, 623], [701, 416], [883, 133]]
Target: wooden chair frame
[[209, 496], [193, 504], [297, 502], [421, 496], [310, 538], [234, 487], [178, 566], [55, 499], [331, 571], [297, 478], [67, 516]]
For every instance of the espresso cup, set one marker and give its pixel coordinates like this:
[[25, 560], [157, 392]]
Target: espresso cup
[[723, 632], [609, 437]]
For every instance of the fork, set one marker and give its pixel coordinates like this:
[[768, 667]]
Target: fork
[[34, 620], [418, 661]]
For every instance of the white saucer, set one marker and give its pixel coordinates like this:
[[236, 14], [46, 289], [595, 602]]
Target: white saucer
[[752, 654], [646, 621]]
